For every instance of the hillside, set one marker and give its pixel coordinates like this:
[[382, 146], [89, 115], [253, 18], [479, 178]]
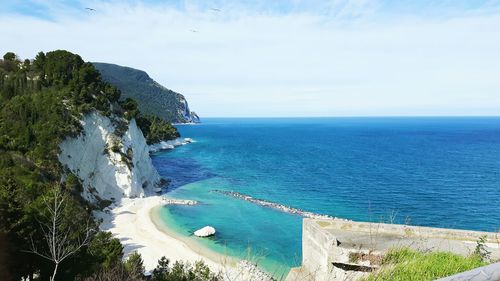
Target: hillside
[[65, 134], [152, 98]]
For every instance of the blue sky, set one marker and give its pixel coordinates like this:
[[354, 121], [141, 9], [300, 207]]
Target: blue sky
[[284, 58], [42, 9]]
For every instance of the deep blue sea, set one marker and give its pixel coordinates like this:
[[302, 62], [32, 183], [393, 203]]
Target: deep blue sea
[[441, 172]]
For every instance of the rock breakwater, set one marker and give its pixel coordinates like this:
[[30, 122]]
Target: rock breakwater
[[172, 201], [273, 205]]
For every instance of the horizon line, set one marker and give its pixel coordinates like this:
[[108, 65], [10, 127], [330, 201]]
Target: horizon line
[[359, 116]]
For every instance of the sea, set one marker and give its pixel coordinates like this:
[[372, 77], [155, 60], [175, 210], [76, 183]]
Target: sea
[[426, 171]]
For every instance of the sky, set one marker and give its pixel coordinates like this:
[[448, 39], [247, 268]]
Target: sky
[[284, 58]]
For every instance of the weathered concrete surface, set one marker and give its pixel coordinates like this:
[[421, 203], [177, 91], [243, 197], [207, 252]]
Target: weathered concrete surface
[[486, 273], [329, 245]]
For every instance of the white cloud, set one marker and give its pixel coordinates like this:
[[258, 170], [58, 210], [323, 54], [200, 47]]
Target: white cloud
[[245, 63]]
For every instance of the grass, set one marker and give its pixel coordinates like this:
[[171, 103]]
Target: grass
[[406, 264]]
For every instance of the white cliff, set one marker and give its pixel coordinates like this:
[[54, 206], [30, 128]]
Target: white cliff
[[109, 164], [188, 115]]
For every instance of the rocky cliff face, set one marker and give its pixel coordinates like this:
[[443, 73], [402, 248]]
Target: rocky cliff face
[[189, 116], [110, 164]]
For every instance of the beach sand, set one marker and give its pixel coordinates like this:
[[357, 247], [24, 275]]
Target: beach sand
[[136, 223], [131, 221]]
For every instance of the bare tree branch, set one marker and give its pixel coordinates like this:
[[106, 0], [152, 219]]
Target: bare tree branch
[[57, 235]]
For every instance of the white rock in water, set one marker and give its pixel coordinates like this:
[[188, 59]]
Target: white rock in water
[[205, 231]]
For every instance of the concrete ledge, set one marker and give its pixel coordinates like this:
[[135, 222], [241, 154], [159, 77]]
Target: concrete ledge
[[334, 249], [407, 230]]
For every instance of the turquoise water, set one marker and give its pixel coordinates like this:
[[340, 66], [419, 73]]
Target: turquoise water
[[241, 226], [442, 172]]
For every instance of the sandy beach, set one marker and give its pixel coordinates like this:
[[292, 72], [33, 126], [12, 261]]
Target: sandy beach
[[135, 223], [131, 222]]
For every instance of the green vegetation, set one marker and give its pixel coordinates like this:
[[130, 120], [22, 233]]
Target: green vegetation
[[153, 99], [183, 272], [405, 264], [481, 251], [156, 129], [134, 265], [133, 270], [41, 103]]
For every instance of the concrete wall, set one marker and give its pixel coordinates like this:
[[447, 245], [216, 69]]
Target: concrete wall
[[317, 247], [327, 245]]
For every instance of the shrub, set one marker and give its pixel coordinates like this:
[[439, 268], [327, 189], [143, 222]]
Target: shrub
[[404, 264], [181, 271], [135, 265]]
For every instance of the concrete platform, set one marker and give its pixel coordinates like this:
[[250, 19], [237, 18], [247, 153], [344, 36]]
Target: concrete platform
[[335, 249]]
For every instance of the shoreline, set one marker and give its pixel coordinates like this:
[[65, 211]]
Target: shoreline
[[132, 221], [204, 251], [137, 224]]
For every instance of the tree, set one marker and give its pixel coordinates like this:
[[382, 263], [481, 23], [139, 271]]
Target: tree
[[10, 62], [116, 272], [105, 250], [160, 273], [39, 62], [61, 241], [4, 262], [130, 107], [156, 129], [10, 56], [135, 265], [183, 271]]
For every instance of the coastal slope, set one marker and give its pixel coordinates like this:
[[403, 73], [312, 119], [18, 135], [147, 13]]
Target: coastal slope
[[72, 152], [152, 98]]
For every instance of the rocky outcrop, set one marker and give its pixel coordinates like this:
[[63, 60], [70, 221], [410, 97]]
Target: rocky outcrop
[[171, 144], [172, 201], [110, 164], [250, 271], [189, 116]]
